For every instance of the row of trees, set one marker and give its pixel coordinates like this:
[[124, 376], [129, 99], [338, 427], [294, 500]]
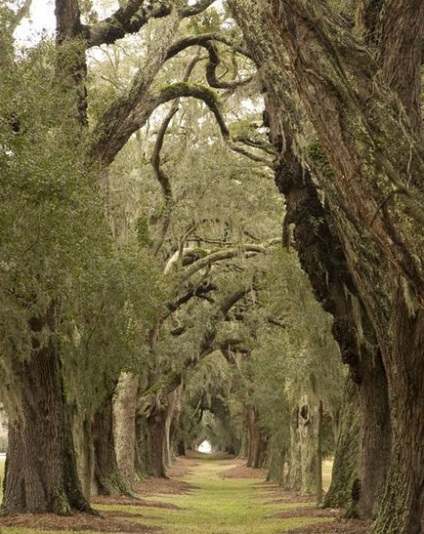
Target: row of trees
[[128, 278]]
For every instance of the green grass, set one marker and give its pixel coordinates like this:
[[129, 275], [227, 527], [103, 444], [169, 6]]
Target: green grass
[[216, 505]]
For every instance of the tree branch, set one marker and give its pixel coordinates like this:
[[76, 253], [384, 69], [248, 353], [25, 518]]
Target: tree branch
[[131, 17], [226, 254]]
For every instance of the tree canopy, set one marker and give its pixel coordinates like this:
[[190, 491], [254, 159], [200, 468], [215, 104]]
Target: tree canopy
[[207, 208]]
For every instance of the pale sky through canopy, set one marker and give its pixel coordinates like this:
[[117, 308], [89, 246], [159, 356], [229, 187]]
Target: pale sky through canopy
[[42, 19]]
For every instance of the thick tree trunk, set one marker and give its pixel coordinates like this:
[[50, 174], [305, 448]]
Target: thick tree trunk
[[156, 441], [308, 436], [81, 431], [371, 167], [293, 479], [107, 477], [321, 253], [41, 471], [124, 406], [257, 443], [375, 435], [171, 424], [346, 459], [277, 464], [403, 501], [143, 467]]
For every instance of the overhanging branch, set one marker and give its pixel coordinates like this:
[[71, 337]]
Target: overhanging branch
[[132, 16]]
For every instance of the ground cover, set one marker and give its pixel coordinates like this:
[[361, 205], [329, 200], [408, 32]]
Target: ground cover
[[205, 494]]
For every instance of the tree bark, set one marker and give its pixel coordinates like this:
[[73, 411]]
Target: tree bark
[[293, 479], [156, 422], [322, 257], [125, 406], [82, 433], [346, 459], [308, 436], [107, 477], [403, 500], [257, 443], [371, 166], [41, 471]]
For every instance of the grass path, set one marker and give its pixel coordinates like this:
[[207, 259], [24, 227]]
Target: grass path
[[204, 495], [216, 504]]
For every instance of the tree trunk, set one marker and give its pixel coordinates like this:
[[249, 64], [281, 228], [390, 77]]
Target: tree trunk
[[319, 491], [320, 248], [371, 167], [276, 464], [81, 431], [172, 418], [294, 473], [403, 500], [375, 435], [346, 459], [143, 466], [107, 477], [156, 441], [41, 471], [308, 434], [124, 406], [257, 443]]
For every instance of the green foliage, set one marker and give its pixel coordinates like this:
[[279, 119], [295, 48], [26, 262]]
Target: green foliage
[[55, 244], [315, 364], [208, 409]]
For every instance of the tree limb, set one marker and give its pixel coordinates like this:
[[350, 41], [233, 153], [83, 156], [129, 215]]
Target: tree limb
[[226, 254], [132, 16]]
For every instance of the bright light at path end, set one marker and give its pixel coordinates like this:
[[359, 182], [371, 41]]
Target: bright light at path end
[[205, 447]]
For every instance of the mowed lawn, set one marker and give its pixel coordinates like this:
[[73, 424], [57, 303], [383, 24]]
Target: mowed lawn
[[213, 500]]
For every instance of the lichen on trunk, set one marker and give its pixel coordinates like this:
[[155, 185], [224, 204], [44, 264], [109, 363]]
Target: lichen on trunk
[[41, 473]]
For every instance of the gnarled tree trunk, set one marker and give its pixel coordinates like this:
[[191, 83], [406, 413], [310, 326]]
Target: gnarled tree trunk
[[107, 477], [41, 471], [125, 406], [257, 442], [321, 250], [345, 473], [156, 435], [371, 164]]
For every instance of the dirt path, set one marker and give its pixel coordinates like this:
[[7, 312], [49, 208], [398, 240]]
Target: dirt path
[[204, 495]]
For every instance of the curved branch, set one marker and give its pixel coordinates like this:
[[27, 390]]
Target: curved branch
[[207, 41], [226, 254], [161, 175], [131, 17], [131, 112], [170, 381], [204, 39]]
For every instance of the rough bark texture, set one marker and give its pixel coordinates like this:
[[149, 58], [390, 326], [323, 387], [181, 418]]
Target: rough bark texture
[[401, 46], [308, 435], [156, 441], [81, 431], [257, 442], [40, 468], [403, 501], [346, 458], [370, 147], [371, 164], [125, 405], [142, 459], [293, 480], [107, 477], [171, 424], [322, 256]]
